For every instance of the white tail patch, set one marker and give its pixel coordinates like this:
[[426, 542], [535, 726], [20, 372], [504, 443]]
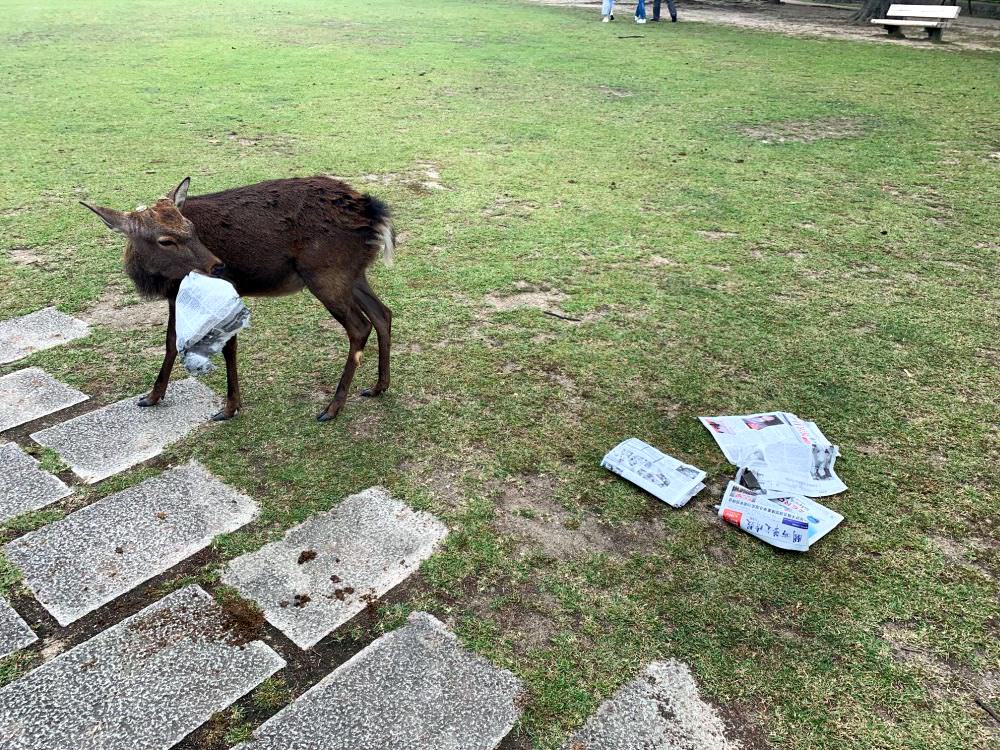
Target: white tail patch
[[387, 237]]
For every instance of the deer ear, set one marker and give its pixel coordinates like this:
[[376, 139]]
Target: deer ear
[[117, 221], [180, 193]]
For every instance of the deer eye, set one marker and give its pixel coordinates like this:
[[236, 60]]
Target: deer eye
[[166, 241]]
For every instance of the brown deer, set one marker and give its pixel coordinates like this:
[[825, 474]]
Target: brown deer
[[268, 239]]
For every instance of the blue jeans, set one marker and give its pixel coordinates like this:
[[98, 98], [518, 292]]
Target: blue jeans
[[640, 9], [656, 9], [606, 7]]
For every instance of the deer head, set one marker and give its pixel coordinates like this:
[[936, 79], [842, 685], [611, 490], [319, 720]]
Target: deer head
[[163, 246]]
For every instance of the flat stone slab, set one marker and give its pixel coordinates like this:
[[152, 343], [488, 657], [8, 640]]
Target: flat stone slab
[[143, 684], [23, 486], [39, 330], [414, 688], [14, 632], [32, 393], [77, 564], [662, 708], [328, 569], [103, 442]]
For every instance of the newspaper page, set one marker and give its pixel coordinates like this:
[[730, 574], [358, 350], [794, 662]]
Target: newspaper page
[[660, 475], [787, 522], [209, 313], [786, 453]]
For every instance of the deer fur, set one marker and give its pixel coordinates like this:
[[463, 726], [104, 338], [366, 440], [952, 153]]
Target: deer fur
[[273, 238]]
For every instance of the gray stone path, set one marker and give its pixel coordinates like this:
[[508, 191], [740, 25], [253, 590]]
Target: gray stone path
[[662, 708], [32, 393], [414, 688], [106, 441], [94, 555], [14, 632], [39, 330], [329, 568], [141, 685], [23, 486]]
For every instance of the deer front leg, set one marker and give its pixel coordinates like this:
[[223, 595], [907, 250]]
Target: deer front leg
[[233, 401], [160, 386]]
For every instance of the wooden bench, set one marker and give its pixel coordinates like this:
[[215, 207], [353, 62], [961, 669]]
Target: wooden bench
[[932, 18]]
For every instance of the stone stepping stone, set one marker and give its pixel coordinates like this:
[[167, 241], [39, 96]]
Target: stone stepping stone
[[40, 330], [662, 708], [77, 564], [414, 688], [14, 632], [32, 393], [103, 442], [143, 684], [23, 486], [328, 569]]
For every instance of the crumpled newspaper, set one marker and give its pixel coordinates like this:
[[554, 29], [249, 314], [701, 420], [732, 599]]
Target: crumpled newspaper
[[209, 313]]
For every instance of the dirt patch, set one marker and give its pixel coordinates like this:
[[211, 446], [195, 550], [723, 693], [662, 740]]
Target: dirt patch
[[23, 255], [527, 509], [507, 205], [424, 177], [943, 678], [112, 310], [805, 131], [972, 552], [658, 261], [525, 295], [716, 234]]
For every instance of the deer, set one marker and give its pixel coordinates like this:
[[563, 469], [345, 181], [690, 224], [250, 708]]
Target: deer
[[268, 239]]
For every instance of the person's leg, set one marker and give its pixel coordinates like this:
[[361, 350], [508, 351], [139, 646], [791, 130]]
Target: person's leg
[[656, 10], [606, 7], [672, 9], [640, 11]]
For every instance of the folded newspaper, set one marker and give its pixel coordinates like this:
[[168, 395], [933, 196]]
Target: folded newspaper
[[209, 313], [660, 475], [784, 521], [785, 453]]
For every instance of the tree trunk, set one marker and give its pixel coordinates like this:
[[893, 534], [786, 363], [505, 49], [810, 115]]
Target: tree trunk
[[870, 9]]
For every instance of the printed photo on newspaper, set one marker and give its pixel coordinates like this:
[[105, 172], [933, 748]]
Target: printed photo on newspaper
[[783, 521], [660, 475], [785, 453]]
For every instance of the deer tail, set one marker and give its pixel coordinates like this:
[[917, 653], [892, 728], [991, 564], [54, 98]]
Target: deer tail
[[384, 235]]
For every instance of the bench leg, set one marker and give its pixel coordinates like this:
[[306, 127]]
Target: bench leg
[[896, 32], [934, 34]]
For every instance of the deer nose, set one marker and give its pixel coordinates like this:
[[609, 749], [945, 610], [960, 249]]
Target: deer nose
[[218, 269]]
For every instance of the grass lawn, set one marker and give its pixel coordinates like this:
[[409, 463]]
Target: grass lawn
[[537, 159]]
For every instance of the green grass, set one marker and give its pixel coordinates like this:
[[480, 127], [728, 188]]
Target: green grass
[[856, 287]]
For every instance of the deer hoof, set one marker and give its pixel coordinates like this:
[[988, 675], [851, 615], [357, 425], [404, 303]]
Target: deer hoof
[[222, 416], [372, 392], [147, 401], [324, 416]]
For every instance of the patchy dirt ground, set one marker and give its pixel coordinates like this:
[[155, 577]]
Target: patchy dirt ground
[[113, 310], [808, 131], [528, 510], [968, 33]]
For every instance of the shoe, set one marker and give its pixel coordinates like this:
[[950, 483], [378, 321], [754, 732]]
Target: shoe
[[640, 20], [612, 16], [605, 19], [673, 19], [653, 20]]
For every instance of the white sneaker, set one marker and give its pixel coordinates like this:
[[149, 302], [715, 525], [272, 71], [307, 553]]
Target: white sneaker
[[606, 19], [640, 20]]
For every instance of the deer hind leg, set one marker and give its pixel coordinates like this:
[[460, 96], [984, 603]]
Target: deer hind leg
[[339, 301], [233, 401], [160, 386], [380, 317]]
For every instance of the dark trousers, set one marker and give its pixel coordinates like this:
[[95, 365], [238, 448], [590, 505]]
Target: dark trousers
[[670, 7]]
